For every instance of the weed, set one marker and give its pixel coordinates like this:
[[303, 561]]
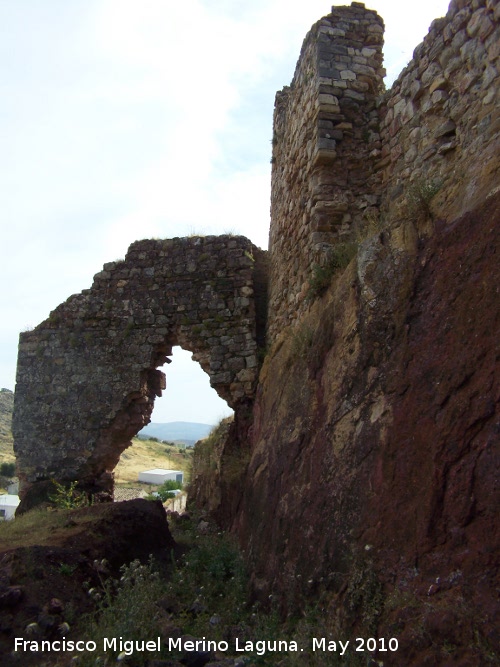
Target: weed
[[249, 255], [212, 579], [126, 608], [66, 569], [340, 257], [234, 465], [194, 233], [373, 224], [206, 455], [128, 329], [420, 194], [364, 597], [302, 340], [262, 353], [68, 497]]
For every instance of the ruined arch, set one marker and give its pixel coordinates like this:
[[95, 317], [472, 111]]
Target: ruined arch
[[88, 376]]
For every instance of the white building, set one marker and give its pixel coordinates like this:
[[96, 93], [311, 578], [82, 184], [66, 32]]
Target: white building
[[160, 475], [8, 506]]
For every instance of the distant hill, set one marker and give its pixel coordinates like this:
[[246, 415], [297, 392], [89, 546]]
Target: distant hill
[[6, 440], [185, 432]]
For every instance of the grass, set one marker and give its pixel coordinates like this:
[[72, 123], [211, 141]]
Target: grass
[[40, 527]]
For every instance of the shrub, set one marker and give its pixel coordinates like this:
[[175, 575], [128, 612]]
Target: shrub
[[68, 497], [7, 469], [213, 576], [165, 490]]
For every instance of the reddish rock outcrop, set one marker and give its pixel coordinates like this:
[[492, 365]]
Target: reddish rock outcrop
[[373, 481]]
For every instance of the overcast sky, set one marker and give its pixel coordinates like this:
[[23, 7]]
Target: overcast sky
[[129, 119]]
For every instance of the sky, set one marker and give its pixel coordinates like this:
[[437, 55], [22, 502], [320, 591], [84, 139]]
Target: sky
[[127, 119]]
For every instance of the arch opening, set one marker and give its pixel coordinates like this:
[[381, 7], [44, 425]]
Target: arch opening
[[186, 411], [188, 396], [88, 376]]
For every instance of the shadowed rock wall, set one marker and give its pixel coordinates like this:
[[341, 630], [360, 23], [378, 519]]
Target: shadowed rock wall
[[87, 377]]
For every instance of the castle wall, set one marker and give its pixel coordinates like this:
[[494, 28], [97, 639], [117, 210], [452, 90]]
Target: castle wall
[[325, 127], [440, 122], [87, 377], [347, 158]]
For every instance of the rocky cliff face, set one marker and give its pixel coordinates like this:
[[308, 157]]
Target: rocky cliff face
[[372, 484], [369, 483]]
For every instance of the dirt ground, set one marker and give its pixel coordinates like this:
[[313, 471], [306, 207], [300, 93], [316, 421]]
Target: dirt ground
[[46, 573]]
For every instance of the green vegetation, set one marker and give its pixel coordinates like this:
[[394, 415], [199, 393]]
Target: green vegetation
[[420, 195], [364, 598], [210, 577], [164, 491], [7, 469], [66, 569], [340, 258], [204, 594], [126, 608], [68, 497]]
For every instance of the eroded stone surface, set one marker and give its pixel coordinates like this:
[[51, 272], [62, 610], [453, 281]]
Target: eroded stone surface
[[87, 376]]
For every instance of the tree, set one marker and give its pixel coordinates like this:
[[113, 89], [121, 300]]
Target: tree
[[165, 490]]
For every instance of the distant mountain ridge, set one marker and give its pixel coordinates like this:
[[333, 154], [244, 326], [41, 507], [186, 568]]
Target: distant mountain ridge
[[184, 432]]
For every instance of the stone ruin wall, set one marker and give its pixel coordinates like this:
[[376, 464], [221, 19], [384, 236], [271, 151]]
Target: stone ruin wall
[[346, 157], [324, 122], [440, 122], [87, 377]]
